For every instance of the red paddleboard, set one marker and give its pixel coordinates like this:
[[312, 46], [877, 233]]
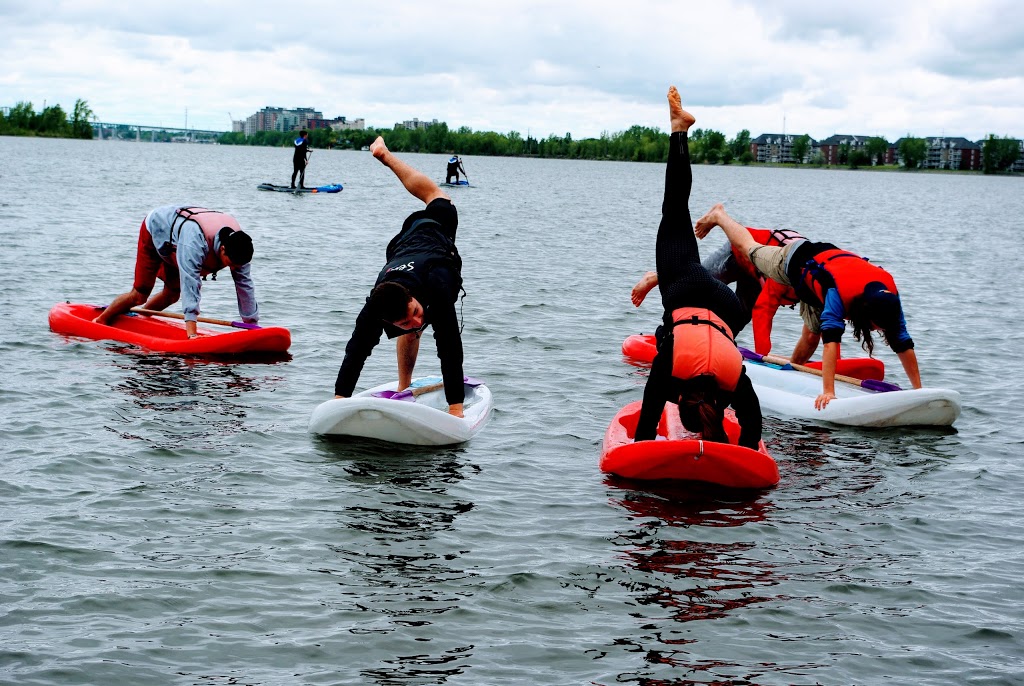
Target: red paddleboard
[[679, 454], [166, 336], [641, 348]]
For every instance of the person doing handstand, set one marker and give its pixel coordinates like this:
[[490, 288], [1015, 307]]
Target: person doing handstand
[[759, 296], [697, 364]]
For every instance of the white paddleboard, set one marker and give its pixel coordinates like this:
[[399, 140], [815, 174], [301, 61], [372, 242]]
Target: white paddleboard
[[423, 420], [791, 393]]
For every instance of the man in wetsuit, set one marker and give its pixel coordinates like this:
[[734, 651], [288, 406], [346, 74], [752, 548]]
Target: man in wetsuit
[[417, 287], [454, 165], [300, 157]]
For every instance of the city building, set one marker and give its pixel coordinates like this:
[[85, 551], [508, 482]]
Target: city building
[[777, 147], [280, 119], [830, 147], [944, 152], [415, 124]]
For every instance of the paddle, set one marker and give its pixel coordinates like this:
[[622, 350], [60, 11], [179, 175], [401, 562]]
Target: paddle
[[205, 320], [870, 384], [411, 393]]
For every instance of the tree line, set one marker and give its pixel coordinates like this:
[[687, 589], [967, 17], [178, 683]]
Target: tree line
[[636, 144], [53, 121]]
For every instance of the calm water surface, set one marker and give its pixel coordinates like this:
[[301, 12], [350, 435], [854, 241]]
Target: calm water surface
[[170, 521]]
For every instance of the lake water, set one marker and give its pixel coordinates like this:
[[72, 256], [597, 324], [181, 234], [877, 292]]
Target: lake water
[[170, 521]]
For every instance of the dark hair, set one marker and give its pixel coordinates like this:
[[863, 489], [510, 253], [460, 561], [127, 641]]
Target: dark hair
[[303, 132], [864, 318], [390, 301], [701, 409], [237, 245]]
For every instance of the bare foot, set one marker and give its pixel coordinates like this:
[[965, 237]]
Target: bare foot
[[378, 149], [643, 287], [680, 119], [708, 221]]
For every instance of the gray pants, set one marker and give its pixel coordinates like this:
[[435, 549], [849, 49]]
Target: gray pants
[[773, 262]]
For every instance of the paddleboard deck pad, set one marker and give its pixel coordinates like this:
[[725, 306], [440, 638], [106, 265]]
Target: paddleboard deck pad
[[413, 420]]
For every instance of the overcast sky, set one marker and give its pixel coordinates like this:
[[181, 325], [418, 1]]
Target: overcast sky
[[873, 67]]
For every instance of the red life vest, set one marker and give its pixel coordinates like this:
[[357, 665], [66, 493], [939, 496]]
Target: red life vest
[[210, 222], [845, 271], [776, 237], [703, 345]]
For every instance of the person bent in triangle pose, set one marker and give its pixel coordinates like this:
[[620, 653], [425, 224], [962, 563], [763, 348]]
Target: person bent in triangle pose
[[418, 287]]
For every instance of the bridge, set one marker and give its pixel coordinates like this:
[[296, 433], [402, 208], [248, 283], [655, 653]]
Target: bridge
[[110, 131]]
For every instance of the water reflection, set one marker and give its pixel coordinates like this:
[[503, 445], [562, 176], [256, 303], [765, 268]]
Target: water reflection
[[401, 569], [678, 578], [176, 400]]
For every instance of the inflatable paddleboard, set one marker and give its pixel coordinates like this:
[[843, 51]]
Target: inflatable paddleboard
[[460, 182], [329, 188], [791, 393], [421, 419], [642, 348], [166, 336], [681, 455]]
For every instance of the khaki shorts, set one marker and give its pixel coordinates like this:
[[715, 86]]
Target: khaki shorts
[[770, 260]]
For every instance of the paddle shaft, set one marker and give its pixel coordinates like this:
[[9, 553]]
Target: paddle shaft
[[774, 359], [205, 320], [424, 389]]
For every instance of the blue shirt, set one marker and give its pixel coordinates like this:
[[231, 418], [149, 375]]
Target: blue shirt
[[188, 245], [833, 321]]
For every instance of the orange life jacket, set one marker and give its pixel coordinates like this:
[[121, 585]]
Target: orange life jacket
[[703, 345], [845, 271]]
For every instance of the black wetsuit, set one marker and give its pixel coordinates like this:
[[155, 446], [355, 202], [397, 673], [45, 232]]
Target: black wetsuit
[[453, 170], [424, 259], [299, 162], [684, 282]]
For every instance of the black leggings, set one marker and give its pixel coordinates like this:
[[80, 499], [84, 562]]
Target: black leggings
[[682, 280], [299, 169]]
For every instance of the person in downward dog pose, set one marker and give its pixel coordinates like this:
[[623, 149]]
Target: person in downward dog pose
[[181, 245], [697, 364], [833, 285], [417, 287], [761, 297]]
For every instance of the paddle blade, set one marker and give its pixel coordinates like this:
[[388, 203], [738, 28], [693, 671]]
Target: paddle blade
[[394, 395], [751, 355], [245, 325], [880, 386]]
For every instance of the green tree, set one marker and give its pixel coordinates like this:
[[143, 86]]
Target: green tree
[[999, 154], [80, 127], [876, 147], [22, 117], [859, 158], [843, 153], [801, 146], [913, 151], [740, 144]]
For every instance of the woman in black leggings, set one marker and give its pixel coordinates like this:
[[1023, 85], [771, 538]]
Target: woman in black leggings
[[697, 364]]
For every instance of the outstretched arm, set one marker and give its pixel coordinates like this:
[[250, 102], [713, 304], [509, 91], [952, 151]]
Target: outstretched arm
[[909, 360], [416, 182]]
